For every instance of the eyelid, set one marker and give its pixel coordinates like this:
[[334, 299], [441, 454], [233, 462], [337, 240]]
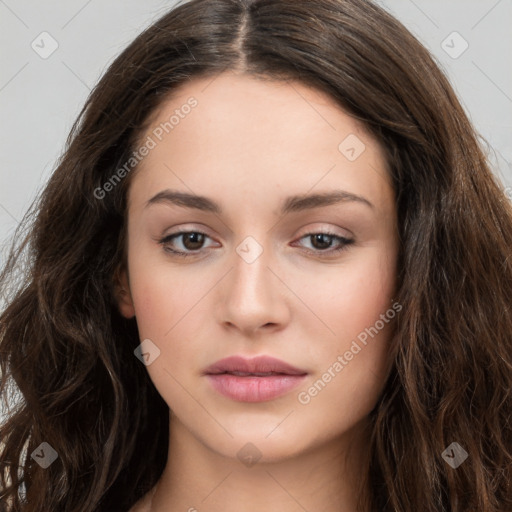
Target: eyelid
[[318, 227]]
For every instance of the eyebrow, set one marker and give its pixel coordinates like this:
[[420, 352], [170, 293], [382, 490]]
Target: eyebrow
[[291, 204]]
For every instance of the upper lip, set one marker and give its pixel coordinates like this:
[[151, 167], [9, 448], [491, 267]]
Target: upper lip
[[256, 365]]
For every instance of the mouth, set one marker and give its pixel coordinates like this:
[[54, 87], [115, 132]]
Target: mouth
[[250, 374], [261, 366], [253, 380]]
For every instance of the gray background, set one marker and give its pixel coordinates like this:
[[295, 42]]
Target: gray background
[[40, 97]]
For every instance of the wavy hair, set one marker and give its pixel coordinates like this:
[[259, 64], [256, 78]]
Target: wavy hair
[[69, 352]]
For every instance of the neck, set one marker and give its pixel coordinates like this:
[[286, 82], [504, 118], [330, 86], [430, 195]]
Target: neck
[[327, 477]]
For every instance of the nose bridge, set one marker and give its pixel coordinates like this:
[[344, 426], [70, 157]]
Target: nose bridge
[[252, 296], [250, 273]]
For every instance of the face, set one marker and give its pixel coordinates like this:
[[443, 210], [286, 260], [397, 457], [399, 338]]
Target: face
[[262, 268]]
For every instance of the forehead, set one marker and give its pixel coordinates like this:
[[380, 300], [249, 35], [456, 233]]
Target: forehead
[[248, 133]]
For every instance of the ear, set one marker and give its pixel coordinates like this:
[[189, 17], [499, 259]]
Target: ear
[[123, 295]]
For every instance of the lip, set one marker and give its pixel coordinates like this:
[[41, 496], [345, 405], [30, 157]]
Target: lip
[[258, 379]]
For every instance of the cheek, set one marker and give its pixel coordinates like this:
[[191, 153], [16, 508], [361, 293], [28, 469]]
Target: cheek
[[351, 299], [170, 309], [150, 302], [161, 298], [167, 310], [357, 307]]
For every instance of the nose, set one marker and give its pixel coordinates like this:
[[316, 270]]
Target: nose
[[253, 295]]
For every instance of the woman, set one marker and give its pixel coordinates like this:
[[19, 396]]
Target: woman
[[271, 271]]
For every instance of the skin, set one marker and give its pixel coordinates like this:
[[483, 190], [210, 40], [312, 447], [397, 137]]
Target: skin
[[248, 145]]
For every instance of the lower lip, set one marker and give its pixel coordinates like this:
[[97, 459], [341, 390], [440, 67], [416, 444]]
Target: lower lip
[[254, 389]]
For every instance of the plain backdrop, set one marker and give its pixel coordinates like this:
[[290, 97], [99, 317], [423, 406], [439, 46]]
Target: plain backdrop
[[41, 95]]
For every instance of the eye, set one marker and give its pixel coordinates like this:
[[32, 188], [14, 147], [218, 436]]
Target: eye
[[192, 242], [322, 241]]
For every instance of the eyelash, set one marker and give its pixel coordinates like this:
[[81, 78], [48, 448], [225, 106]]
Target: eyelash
[[345, 243]]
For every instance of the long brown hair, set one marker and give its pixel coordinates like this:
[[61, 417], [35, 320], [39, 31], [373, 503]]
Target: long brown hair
[[70, 352]]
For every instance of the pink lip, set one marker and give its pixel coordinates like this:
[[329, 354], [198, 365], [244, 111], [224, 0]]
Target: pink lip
[[240, 379]]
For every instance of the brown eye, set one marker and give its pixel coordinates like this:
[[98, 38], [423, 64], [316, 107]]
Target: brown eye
[[190, 241], [193, 240], [322, 242]]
